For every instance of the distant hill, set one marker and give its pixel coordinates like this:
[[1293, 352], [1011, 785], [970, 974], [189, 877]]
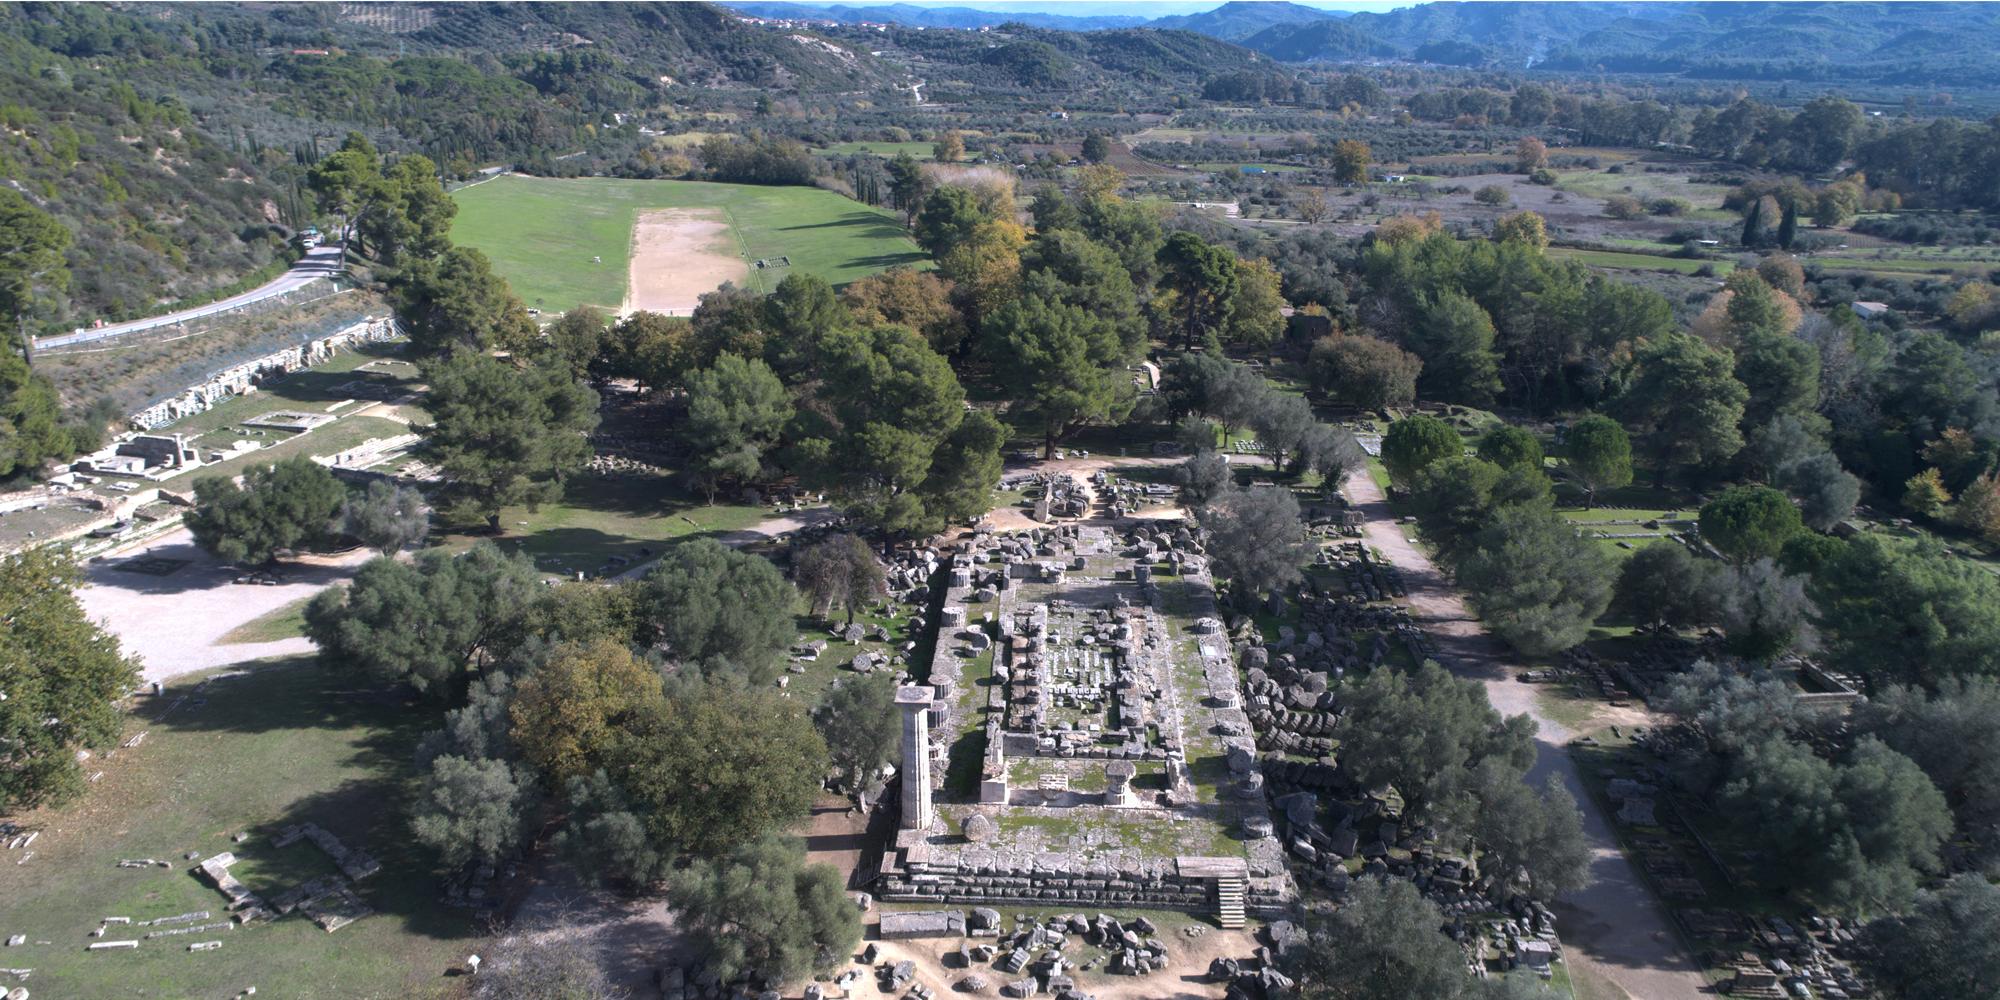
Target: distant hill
[[1239, 19], [929, 17], [1907, 43], [1052, 62]]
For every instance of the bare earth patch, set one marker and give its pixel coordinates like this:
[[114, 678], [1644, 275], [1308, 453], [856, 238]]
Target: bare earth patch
[[678, 254]]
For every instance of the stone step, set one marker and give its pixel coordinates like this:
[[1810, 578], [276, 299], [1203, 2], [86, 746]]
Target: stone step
[[1229, 894]]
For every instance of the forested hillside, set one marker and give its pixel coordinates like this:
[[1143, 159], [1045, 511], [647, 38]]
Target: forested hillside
[[173, 145], [157, 208], [1885, 42]]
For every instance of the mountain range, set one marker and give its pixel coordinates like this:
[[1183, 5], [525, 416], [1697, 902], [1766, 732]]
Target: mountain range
[[1811, 40]]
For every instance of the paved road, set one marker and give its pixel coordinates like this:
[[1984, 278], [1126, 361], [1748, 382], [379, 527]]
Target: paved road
[[321, 262], [1614, 929]]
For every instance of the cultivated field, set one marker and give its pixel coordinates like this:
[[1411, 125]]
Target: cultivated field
[[569, 242]]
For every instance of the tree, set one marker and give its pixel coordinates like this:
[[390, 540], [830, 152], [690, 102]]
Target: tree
[[1825, 491], [1312, 207], [1067, 361], [1256, 539], [470, 811], [501, 436], [1599, 454], [1748, 523], [605, 838], [1525, 228], [1780, 373], [429, 622], [566, 712], [63, 676], [1685, 404], [1907, 613], [717, 767], [1765, 611], [1530, 154], [1204, 478], [1096, 148], [653, 349], [1538, 583], [1924, 494], [986, 265], [949, 216], [842, 570], [1947, 945], [720, 611], [408, 212], [904, 296], [387, 518], [1067, 266], [279, 507], [1948, 734], [1256, 318], [1525, 839], [1422, 732], [32, 262], [737, 410], [1204, 282], [1456, 499], [1508, 446], [456, 301], [1737, 712], [890, 435], [761, 911], [31, 428], [1363, 371], [1413, 443], [906, 184], [1978, 507], [949, 148], [1282, 424], [1664, 584], [862, 727], [1385, 942], [574, 341], [344, 181], [1454, 336], [1493, 195], [1853, 836], [798, 317], [1350, 161]]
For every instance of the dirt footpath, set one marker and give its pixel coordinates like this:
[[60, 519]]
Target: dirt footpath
[[1614, 931], [678, 254], [173, 621]]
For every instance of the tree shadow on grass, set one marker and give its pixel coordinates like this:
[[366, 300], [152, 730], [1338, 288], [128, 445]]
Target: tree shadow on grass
[[367, 814], [876, 225], [883, 261], [297, 692]]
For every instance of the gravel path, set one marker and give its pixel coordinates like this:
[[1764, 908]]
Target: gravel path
[[1613, 930], [174, 623]]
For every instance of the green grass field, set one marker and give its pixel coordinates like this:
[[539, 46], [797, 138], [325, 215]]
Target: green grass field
[[1641, 261], [600, 517], [542, 233], [288, 622], [285, 743], [916, 148]]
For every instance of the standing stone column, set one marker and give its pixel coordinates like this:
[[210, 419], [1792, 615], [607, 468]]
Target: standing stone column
[[915, 701]]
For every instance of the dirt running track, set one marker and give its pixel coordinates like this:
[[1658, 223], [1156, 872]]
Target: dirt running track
[[679, 254], [1614, 931]]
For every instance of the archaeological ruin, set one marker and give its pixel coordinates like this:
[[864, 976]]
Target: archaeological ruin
[[1080, 739]]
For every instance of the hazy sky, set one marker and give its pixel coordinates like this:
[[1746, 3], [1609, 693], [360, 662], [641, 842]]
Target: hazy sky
[[1097, 8]]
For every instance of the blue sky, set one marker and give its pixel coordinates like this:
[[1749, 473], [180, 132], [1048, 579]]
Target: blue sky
[[1133, 8]]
